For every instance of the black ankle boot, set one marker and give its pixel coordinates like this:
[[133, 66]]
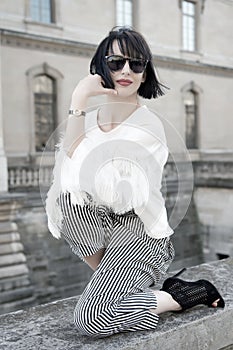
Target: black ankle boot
[[189, 294]]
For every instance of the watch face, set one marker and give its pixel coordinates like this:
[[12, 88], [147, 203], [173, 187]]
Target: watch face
[[77, 112]]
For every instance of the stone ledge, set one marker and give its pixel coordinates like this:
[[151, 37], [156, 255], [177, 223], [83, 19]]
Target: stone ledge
[[50, 326]]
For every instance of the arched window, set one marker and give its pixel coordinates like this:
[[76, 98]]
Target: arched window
[[124, 12], [44, 90], [42, 11], [191, 101], [191, 109]]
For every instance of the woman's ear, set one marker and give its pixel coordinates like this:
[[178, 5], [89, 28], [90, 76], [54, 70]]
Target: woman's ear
[[144, 77]]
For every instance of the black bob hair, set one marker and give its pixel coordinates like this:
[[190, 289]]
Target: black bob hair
[[131, 44]]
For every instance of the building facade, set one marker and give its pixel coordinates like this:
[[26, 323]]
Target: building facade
[[46, 47]]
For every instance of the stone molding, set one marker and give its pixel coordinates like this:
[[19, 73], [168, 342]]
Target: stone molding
[[191, 86], [202, 3], [68, 47], [213, 174], [46, 43]]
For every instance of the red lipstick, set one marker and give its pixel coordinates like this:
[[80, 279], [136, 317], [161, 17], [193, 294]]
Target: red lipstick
[[124, 82]]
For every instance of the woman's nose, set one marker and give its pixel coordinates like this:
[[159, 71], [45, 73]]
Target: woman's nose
[[126, 69]]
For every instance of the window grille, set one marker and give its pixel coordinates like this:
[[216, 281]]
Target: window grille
[[42, 11], [189, 25], [124, 12]]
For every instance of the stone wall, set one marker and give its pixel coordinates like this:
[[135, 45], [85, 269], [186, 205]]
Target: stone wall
[[50, 326], [54, 270], [16, 289], [213, 199]]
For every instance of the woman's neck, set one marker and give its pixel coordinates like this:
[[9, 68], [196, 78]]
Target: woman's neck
[[115, 111], [119, 108]]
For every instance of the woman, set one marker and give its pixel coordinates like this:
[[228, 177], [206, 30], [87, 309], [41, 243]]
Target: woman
[[120, 231]]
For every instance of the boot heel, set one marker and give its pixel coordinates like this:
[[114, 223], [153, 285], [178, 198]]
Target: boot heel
[[180, 272]]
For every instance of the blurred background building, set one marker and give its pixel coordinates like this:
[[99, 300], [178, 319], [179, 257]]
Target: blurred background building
[[46, 47]]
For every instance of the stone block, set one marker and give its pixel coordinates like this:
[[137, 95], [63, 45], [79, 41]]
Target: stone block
[[9, 283], [50, 326], [8, 227], [11, 248], [7, 209], [10, 271], [16, 294], [9, 237], [11, 259]]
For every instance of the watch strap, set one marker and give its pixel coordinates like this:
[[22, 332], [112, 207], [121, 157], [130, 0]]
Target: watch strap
[[77, 112]]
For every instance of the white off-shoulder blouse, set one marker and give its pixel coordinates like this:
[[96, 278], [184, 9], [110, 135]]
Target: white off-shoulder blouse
[[121, 168]]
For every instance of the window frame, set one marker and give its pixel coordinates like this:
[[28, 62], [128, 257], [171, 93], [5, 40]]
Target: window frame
[[53, 104], [191, 143], [186, 45], [56, 15], [52, 12], [31, 73], [133, 13], [199, 9], [195, 89]]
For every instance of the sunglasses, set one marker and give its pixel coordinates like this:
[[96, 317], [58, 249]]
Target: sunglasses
[[117, 62]]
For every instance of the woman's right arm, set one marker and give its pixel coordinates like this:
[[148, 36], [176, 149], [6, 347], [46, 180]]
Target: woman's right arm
[[75, 130]]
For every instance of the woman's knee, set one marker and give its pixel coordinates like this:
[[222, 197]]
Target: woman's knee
[[85, 322]]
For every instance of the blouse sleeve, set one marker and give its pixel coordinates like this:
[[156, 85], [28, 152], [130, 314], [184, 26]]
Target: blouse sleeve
[[64, 179], [153, 213]]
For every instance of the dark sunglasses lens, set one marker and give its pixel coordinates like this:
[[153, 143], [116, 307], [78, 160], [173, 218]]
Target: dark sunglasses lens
[[115, 63], [137, 66]]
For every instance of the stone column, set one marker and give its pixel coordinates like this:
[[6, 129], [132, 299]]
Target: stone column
[[3, 159]]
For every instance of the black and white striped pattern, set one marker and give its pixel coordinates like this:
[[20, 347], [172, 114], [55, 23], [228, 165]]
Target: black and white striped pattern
[[117, 298]]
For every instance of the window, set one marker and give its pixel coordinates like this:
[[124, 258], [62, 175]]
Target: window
[[124, 12], [191, 106], [189, 25], [42, 11], [45, 109], [45, 86]]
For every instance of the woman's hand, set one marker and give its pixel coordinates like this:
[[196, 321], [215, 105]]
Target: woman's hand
[[91, 85]]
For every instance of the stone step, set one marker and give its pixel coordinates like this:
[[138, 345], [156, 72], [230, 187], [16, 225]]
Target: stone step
[[10, 271], [14, 282], [12, 259], [16, 294], [8, 227], [11, 248], [9, 237]]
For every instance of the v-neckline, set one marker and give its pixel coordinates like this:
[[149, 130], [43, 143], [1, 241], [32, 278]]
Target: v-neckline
[[119, 124]]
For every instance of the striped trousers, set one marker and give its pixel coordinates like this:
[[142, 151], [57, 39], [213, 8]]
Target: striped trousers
[[118, 297]]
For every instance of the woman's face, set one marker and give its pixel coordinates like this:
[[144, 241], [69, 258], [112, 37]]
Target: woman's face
[[126, 82]]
